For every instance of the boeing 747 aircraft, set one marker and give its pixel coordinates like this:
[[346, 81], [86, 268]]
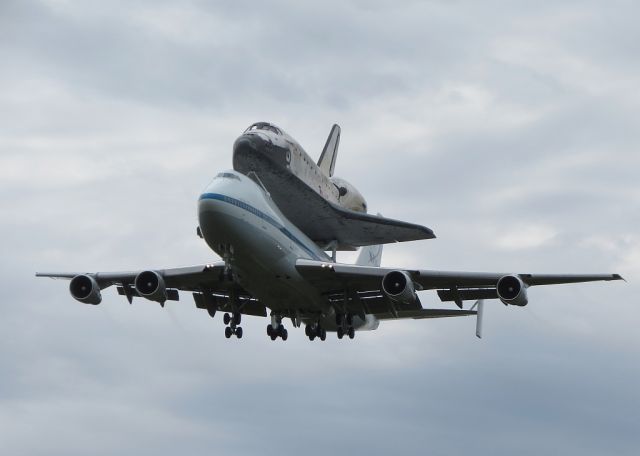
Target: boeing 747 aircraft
[[273, 267]]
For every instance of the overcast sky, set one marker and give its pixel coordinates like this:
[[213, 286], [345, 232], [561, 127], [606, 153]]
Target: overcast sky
[[509, 128]]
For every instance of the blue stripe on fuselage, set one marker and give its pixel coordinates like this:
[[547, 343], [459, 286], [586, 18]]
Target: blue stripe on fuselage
[[263, 216]]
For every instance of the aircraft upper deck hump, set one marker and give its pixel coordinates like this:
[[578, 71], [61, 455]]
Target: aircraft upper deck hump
[[327, 161]]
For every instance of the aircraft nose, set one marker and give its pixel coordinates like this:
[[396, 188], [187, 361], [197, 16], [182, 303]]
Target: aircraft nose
[[252, 152], [250, 144]]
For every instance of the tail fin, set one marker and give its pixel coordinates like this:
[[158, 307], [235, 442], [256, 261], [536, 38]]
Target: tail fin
[[329, 154], [370, 255]]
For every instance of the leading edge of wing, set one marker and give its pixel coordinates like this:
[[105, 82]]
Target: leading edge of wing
[[175, 277], [431, 280]]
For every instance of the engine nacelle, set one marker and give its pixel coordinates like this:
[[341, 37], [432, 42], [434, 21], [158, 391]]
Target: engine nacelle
[[512, 291], [150, 285], [398, 287], [85, 289], [350, 197]]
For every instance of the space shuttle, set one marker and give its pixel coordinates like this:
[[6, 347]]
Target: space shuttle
[[328, 209]]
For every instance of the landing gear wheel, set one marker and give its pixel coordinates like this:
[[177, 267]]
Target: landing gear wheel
[[307, 331], [274, 336], [340, 332], [239, 332], [226, 319], [285, 334], [312, 337], [228, 332], [269, 330], [323, 334], [351, 332], [237, 318]]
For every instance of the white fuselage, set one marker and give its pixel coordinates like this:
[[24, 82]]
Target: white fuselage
[[240, 222]]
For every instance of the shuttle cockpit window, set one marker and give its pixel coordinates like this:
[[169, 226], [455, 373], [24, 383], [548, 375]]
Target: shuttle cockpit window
[[264, 126]]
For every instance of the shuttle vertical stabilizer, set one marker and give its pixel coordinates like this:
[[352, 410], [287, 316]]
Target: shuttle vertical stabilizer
[[327, 161]]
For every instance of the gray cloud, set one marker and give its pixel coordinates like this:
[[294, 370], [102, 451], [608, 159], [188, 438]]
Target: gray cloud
[[509, 129]]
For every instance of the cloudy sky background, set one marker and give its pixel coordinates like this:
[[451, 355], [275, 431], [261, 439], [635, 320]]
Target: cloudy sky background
[[511, 129]]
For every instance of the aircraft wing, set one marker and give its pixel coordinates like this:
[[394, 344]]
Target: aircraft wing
[[324, 222], [205, 282], [364, 283]]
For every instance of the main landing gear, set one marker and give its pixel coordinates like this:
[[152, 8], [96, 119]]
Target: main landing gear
[[313, 331], [276, 329], [345, 326], [232, 321]]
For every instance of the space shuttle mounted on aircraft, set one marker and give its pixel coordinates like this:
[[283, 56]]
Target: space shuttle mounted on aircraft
[[271, 220], [329, 210]]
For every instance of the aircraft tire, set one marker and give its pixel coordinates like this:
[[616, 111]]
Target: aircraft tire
[[226, 319], [340, 332], [269, 330], [239, 332], [351, 332], [285, 334], [228, 332], [323, 334]]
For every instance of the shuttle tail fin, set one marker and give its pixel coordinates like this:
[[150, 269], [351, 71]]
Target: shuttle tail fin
[[329, 154]]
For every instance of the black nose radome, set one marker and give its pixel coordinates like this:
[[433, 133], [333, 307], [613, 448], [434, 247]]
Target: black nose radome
[[249, 143]]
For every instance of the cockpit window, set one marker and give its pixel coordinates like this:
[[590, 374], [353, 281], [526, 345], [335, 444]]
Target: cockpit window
[[264, 126], [227, 176]]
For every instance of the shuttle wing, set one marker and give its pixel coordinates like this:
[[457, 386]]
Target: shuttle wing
[[324, 222]]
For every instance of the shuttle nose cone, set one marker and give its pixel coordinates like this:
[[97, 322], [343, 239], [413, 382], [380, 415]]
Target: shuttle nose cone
[[249, 144], [252, 152]]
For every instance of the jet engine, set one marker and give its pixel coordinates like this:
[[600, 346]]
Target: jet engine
[[398, 287], [512, 291], [150, 285], [85, 289]]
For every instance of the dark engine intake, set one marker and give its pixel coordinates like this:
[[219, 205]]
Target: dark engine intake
[[398, 287], [150, 285], [512, 291], [85, 289]]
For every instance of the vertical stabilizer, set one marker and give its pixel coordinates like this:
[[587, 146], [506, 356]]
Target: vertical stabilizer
[[329, 154], [370, 255]]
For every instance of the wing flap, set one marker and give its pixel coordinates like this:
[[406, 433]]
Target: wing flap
[[424, 313]]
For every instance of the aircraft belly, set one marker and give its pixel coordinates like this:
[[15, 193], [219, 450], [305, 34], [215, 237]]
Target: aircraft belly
[[263, 258]]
